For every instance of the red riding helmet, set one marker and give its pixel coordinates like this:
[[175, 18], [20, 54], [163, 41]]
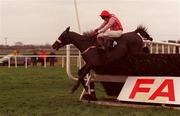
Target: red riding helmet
[[105, 13]]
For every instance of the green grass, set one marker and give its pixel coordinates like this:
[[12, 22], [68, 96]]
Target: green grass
[[38, 91]]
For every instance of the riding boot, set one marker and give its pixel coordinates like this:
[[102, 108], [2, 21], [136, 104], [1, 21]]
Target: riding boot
[[100, 41], [114, 43]]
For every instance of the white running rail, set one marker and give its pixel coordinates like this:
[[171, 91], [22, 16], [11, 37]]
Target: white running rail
[[163, 47], [15, 57]]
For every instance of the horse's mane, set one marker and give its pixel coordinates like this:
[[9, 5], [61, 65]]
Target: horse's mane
[[143, 31], [88, 35]]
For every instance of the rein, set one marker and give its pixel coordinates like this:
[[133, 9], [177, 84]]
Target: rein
[[69, 40], [86, 50]]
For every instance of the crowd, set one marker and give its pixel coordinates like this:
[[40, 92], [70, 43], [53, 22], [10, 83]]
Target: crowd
[[42, 58]]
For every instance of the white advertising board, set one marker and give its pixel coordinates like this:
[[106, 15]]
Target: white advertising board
[[165, 90]]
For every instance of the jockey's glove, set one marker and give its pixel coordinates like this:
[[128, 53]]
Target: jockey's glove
[[96, 30], [100, 31]]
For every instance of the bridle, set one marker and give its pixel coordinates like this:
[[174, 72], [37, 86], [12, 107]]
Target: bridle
[[68, 42], [86, 50], [58, 41]]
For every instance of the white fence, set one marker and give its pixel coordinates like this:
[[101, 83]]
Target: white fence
[[155, 48], [163, 47], [14, 58]]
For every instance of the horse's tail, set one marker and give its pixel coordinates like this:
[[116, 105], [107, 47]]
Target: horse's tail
[[143, 32]]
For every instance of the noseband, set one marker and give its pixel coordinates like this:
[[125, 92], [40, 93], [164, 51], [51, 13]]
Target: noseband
[[59, 41], [67, 37]]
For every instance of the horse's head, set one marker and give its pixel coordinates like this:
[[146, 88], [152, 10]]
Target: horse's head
[[62, 40]]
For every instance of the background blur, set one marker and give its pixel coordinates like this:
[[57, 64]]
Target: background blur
[[42, 21]]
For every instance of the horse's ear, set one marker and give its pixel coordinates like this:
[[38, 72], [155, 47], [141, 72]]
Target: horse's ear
[[67, 29]]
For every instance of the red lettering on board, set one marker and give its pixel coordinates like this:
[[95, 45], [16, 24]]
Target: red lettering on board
[[137, 87], [170, 93]]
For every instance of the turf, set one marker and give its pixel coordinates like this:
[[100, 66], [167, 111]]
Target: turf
[[39, 91]]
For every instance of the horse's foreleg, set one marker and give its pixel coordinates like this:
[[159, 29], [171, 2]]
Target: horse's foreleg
[[82, 73], [75, 86], [78, 81]]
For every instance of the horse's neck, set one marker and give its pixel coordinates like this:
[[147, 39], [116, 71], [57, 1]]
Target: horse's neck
[[79, 41]]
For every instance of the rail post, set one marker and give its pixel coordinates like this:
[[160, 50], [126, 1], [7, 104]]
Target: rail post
[[15, 60], [62, 62], [45, 62], [26, 62], [9, 62]]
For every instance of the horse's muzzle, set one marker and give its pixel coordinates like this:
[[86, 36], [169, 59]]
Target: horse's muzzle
[[55, 47]]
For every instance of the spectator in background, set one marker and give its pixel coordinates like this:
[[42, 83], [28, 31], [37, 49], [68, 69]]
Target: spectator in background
[[34, 58], [52, 59], [15, 52], [42, 56]]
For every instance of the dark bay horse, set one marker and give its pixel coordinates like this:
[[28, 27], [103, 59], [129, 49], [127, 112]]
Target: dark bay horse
[[128, 43]]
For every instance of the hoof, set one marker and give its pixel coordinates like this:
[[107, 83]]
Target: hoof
[[89, 97]]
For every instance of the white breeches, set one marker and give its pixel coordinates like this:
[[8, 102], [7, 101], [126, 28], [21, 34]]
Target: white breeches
[[110, 34]]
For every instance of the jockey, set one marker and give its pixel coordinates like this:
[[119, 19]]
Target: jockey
[[111, 27]]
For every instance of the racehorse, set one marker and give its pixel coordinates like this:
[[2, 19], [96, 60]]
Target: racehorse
[[128, 43]]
